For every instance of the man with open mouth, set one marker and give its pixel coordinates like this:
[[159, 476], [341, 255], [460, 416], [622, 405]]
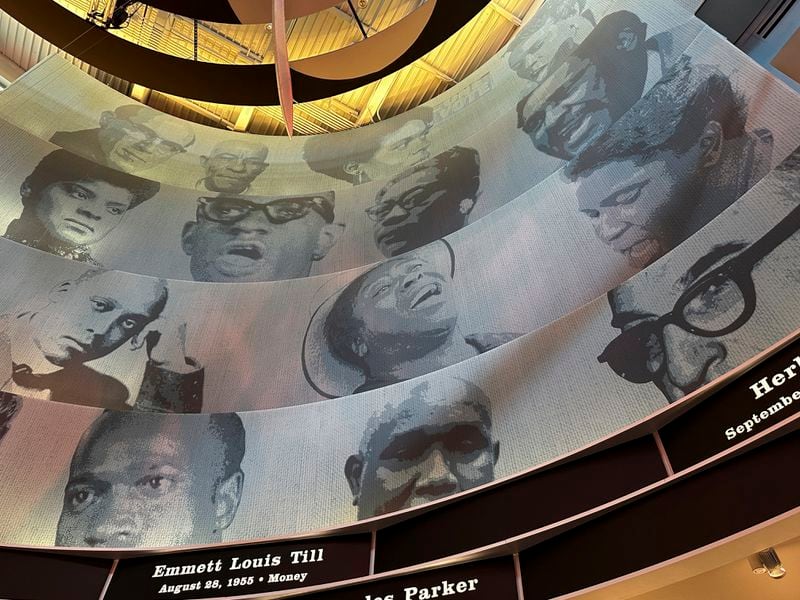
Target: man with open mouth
[[676, 160], [132, 138], [70, 203], [257, 238], [397, 321]]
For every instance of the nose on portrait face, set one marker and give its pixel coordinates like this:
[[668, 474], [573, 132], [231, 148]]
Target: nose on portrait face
[[691, 361], [117, 520], [436, 478]]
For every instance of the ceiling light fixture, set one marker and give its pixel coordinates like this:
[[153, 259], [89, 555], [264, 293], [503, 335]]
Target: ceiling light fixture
[[767, 561]]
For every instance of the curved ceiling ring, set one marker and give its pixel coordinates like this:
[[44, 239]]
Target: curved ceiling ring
[[253, 85], [238, 12]]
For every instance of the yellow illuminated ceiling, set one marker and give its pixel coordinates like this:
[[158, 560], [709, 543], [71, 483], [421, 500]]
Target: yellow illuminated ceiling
[[309, 36]]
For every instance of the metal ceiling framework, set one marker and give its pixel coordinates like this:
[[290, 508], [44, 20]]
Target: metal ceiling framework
[[312, 35]]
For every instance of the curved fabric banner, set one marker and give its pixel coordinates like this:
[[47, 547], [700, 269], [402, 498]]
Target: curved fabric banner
[[58, 102], [704, 134], [83, 477]]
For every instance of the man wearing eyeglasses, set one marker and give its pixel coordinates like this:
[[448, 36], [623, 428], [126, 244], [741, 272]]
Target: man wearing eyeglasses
[[232, 166], [683, 327], [133, 138], [256, 238], [426, 202]]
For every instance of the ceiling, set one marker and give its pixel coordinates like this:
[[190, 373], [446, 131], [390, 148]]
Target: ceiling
[[328, 30], [736, 581]]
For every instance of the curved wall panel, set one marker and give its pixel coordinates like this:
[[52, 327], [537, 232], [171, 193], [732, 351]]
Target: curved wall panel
[[294, 342], [82, 107], [137, 479]]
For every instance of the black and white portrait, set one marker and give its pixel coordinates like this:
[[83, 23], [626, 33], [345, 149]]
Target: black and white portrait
[[377, 157], [426, 202], [46, 344], [70, 203], [255, 238], [436, 442], [132, 138], [232, 166], [153, 480], [683, 326], [675, 161], [394, 322], [554, 32]]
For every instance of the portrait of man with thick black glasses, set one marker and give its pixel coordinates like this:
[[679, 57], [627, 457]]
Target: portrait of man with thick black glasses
[[682, 328], [257, 238]]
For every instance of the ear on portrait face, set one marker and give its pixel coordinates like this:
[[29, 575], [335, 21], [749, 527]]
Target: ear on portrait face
[[106, 117], [227, 499], [187, 237], [25, 189], [353, 470], [328, 236], [467, 204], [710, 144]]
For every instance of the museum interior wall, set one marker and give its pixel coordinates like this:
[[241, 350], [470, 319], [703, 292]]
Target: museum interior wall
[[545, 322]]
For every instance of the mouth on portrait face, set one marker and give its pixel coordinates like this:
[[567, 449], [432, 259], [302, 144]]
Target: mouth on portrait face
[[241, 258], [392, 241], [427, 295], [224, 181], [73, 228], [126, 157], [578, 127], [637, 244], [68, 349]]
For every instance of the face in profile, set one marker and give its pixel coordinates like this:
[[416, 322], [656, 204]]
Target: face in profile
[[139, 481], [142, 139], [405, 308], [233, 166], [641, 210], [80, 212], [434, 444], [416, 209], [400, 148], [682, 328], [258, 239], [90, 318]]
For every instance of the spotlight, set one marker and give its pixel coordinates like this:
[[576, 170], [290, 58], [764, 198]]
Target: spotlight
[[767, 561], [119, 16]]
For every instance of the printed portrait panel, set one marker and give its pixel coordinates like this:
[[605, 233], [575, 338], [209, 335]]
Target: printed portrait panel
[[187, 346], [723, 295], [109, 128]]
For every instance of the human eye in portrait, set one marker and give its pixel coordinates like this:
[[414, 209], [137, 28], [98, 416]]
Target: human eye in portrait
[[80, 496], [405, 448], [465, 440]]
